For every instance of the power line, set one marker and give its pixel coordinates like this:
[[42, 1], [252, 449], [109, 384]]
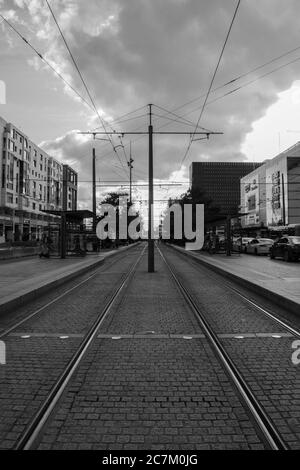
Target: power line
[[48, 64], [45, 60], [187, 121], [254, 80], [81, 77], [238, 78], [230, 82], [118, 119], [212, 80]]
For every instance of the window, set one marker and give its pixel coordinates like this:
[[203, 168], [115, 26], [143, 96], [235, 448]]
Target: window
[[33, 205], [10, 198]]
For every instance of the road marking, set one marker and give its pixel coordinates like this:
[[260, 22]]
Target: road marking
[[152, 336]]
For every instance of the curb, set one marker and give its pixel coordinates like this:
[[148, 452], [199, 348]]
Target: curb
[[257, 289], [8, 306]]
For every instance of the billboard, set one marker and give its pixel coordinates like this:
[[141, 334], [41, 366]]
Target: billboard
[[251, 200], [276, 177]]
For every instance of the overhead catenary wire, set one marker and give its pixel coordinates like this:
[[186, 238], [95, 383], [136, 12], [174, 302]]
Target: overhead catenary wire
[[179, 121], [45, 61], [27, 42], [227, 83], [185, 121], [231, 91], [83, 80], [211, 82]]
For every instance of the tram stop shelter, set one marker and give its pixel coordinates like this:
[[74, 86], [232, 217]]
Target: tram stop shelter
[[72, 235]]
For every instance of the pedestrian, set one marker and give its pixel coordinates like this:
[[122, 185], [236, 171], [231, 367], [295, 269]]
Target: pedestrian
[[44, 248]]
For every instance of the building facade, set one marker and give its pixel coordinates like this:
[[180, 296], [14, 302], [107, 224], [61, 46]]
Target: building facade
[[220, 181], [70, 181], [31, 182], [276, 200]]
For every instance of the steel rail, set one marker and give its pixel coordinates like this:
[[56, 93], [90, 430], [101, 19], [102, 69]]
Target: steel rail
[[269, 432], [29, 438], [40, 309], [270, 315]]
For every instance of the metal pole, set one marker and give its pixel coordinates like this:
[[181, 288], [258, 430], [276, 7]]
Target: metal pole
[[63, 235], [150, 215], [228, 236], [283, 199], [94, 190], [130, 177]]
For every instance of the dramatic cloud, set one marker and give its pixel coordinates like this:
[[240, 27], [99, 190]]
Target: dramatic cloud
[[134, 52]]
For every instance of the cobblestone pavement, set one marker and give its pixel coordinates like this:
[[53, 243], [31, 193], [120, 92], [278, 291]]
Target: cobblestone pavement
[[275, 275], [260, 348], [38, 350], [150, 381]]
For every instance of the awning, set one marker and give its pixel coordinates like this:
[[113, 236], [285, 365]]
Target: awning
[[72, 215]]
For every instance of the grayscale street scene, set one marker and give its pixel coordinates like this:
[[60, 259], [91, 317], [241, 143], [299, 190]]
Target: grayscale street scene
[[149, 227]]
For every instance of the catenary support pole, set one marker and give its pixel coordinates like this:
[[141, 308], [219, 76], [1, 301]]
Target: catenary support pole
[[94, 191], [150, 197]]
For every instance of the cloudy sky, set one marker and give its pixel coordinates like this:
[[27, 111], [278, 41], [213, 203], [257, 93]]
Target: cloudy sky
[[135, 52]]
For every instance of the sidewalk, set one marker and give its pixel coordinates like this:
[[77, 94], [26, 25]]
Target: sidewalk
[[275, 279], [24, 279]]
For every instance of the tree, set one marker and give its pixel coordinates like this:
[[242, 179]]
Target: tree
[[112, 198], [193, 196]]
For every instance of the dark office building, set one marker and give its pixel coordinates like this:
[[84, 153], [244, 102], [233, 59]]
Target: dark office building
[[220, 181]]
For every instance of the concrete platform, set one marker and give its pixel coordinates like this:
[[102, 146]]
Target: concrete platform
[[24, 279], [274, 279]]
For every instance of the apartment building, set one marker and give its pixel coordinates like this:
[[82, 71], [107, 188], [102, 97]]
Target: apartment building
[[31, 182], [70, 181]]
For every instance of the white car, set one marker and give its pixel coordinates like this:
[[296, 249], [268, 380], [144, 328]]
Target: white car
[[245, 241], [259, 246]]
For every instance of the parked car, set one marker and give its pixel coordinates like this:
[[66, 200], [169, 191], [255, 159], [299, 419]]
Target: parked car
[[259, 246], [245, 241], [287, 248]]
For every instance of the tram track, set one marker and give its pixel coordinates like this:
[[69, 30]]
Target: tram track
[[268, 430], [143, 338], [30, 437], [262, 309], [36, 363], [12, 327]]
